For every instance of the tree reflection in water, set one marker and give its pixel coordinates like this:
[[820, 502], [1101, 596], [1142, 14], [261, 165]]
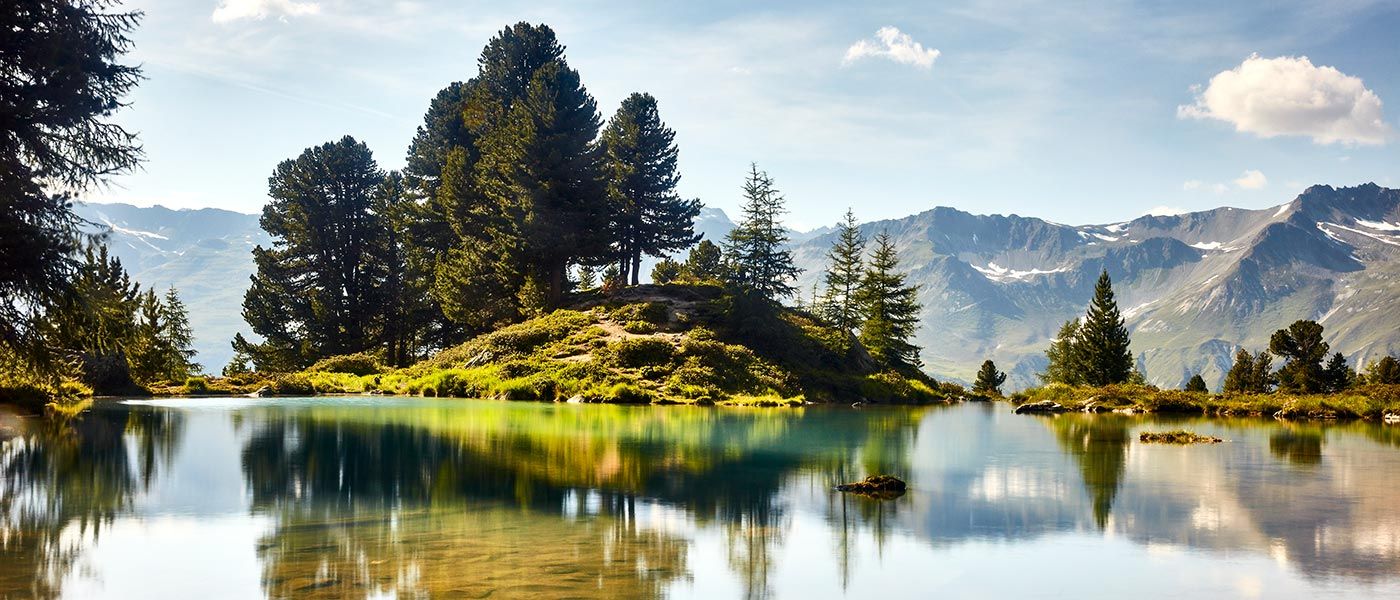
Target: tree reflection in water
[[1099, 444], [64, 480]]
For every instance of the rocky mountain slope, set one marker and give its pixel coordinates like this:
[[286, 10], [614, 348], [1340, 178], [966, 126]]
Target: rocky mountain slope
[[206, 254], [1193, 286]]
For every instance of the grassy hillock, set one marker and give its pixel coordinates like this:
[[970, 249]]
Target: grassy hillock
[[1363, 402], [692, 344]]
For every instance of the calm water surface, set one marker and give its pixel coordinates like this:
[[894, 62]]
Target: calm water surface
[[419, 498]]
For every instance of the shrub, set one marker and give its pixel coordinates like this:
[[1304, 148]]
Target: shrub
[[635, 353], [627, 393], [196, 385], [639, 327], [656, 313], [359, 363]]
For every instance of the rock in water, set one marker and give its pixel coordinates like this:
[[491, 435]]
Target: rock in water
[[880, 486], [1042, 407]]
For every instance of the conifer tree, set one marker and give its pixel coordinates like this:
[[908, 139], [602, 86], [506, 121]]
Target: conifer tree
[[1302, 348], [177, 337], [665, 271], [704, 263], [845, 263], [989, 379], [889, 309], [1197, 384], [1062, 357], [318, 286], [1240, 377], [587, 277], [759, 261], [1103, 339], [648, 217], [1337, 376], [1385, 371]]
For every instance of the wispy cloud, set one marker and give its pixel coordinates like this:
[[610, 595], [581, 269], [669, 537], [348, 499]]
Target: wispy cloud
[[1287, 95], [1252, 180], [236, 10], [892, 44]]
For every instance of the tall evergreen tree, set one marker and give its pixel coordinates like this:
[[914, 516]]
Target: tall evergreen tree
[[177, 338], [1103, 339], [889, 309], [1240, 377], [1302, 348], [1062, 357], [62, 84], [318, 288], [1197, 384], [845, 264], [989, 379], [648, 217], [759, 261]]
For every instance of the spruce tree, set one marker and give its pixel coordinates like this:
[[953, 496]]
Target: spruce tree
[[845, 263], [1263, 379], [889, 309], [63, 81], [1197, 384], [665, 271], [989, 379], [648, 217], [317, 288], [1103, 339], [704, 263], [1385, 371], [1062, 357], [1240, 378], [1302, 348], [759, 260], [177, 338], [1337, 376], [587, 277]]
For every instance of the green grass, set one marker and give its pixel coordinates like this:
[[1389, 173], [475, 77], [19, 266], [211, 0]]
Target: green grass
[[1363, 402]]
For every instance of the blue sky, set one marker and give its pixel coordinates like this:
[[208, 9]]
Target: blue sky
[[1077, 112]]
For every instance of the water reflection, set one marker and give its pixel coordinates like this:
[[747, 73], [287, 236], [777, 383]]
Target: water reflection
[[366, 498]]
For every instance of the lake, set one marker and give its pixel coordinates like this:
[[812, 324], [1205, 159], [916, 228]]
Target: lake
[[359, 497]]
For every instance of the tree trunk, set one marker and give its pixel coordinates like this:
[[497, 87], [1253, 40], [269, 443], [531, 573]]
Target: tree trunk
[[636, 267]]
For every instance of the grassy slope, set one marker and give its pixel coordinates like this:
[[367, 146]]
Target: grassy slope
[[1365, 402], [648, 344]]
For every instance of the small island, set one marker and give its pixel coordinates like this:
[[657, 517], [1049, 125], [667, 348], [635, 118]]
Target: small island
[[1176, 436]]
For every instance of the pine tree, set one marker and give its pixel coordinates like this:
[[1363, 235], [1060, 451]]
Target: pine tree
[[704, 263], [1062, 357], [318, 287], [1302, 348], [177, 338], [1337, 376], [1263, 379], [1385, 371], [845, 263], [648, 217], [889, 309], [665, 271], [587, 277], [759, 261], [97, 325], [62, 84], [1103, 339], [1197, 384], [1240, 378], [989, 379]]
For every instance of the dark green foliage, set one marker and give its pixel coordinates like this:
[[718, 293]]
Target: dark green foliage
[[1337, 376], [161, 350], [587, 277], [636, 353], [665, 272], [360, 363], [1103, 341], [61, 85], [1197, 384], [844, 271], [648, 217], [1302, 348], [1251, 374], [889, 309], [989, 379], [705, 263], [759, 261], [1386, 371], [320, 289], [1062, 357]]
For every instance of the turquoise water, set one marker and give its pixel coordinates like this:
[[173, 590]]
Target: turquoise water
[[413, 498]]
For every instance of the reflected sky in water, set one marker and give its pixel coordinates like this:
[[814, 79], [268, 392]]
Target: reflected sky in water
[[418, 498]]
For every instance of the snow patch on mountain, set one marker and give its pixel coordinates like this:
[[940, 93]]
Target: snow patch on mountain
[[997, 272]]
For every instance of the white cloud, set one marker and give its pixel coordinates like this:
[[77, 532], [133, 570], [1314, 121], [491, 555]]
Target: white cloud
[[234, 10], [1165, 211], [1252, 180], [892, 44], [1289, 96], [1197, 185]]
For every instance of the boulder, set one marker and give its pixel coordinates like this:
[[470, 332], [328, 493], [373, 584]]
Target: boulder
[[262, 392], [1042, 407], [880, 486]]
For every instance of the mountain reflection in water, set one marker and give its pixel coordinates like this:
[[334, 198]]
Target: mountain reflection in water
[[361, 497]]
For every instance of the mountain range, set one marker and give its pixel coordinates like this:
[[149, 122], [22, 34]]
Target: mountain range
[[1193, 287]]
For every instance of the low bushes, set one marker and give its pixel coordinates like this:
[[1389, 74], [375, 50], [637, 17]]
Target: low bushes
[[1366, 402]]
